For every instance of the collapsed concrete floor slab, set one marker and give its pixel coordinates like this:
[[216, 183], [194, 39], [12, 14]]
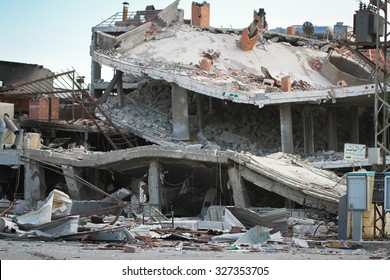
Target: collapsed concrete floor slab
[[181, 178]]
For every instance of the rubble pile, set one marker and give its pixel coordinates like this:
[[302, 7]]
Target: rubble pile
[[227, 126], [229, 230]]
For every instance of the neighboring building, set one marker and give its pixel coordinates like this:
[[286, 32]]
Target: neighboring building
[[341, 31]]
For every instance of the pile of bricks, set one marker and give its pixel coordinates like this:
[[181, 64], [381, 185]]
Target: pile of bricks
[[301, 85]]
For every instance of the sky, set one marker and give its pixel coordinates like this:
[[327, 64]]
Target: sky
[[57, 33]]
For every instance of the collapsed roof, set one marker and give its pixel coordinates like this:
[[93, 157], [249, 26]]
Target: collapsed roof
[[174, 53]]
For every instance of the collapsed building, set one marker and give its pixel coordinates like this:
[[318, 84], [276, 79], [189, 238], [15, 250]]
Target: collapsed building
[[193, 117]]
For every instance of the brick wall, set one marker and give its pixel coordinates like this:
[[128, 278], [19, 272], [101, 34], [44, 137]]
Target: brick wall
[[200, 14], [41, 109]]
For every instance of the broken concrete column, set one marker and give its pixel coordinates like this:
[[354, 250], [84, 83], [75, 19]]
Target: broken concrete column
[[155, 185], [355, 125], [332, 129], [308, 131], [286, 130], [109, 88], [240, 195], [34, 187], [72, 183], [181, 127]]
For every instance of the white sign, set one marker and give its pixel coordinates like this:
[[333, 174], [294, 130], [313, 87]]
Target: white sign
[[354, 152]]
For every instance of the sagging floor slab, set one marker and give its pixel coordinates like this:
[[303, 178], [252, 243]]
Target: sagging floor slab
[[168, 178]]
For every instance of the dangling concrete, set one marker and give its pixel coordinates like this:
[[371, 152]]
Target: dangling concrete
[[74, 186]]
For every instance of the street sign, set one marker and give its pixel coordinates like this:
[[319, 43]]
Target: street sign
[[354, 152]]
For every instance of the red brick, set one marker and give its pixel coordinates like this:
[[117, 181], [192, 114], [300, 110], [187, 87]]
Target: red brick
[[286, 83], [43, 108], [206, 64]]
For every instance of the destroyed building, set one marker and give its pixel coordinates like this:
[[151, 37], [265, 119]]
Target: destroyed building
[[194, 116]]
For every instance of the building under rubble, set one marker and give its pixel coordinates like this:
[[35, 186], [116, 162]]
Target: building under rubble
[[194, 116]]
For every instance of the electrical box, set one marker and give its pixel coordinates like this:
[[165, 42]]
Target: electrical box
[[386, 200], [357, 191], [366, 25]]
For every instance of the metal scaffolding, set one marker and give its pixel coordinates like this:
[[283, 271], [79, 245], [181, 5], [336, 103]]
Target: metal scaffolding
[[382, 107]]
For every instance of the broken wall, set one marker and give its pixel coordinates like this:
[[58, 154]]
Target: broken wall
[[16, 73], [338, 69]]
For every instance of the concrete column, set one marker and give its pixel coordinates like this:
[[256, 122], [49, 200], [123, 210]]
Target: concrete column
[[96, 74], [308, 131], [332, 129], [355, 125], [96, 68], [34, 184], [85, 142], [286, 131], [240, 195], [119, 89], [200, 111], [155, 185], [72, 183], [181, 127]]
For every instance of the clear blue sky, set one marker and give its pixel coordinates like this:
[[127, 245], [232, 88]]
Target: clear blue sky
[[57, 33]]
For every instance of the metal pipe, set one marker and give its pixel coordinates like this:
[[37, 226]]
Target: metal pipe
[[18, 138], [10, 124], [9, 146], [125, 14]]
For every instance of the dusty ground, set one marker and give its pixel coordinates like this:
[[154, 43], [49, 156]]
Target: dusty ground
[[39, 250]]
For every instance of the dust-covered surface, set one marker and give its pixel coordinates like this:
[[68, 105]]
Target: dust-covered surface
[[40, 250], [185, 47]]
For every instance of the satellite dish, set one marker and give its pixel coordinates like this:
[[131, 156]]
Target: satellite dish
[[308, 29]]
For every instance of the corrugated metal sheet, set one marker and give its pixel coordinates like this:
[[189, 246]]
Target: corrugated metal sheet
[[276, 219]]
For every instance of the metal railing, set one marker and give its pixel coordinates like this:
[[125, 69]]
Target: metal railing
[[141, 16]]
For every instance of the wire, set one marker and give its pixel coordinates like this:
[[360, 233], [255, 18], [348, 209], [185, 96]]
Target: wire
[[180, 184]]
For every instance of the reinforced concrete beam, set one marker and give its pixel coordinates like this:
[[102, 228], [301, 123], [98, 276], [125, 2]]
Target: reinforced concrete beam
[[110, 87]]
